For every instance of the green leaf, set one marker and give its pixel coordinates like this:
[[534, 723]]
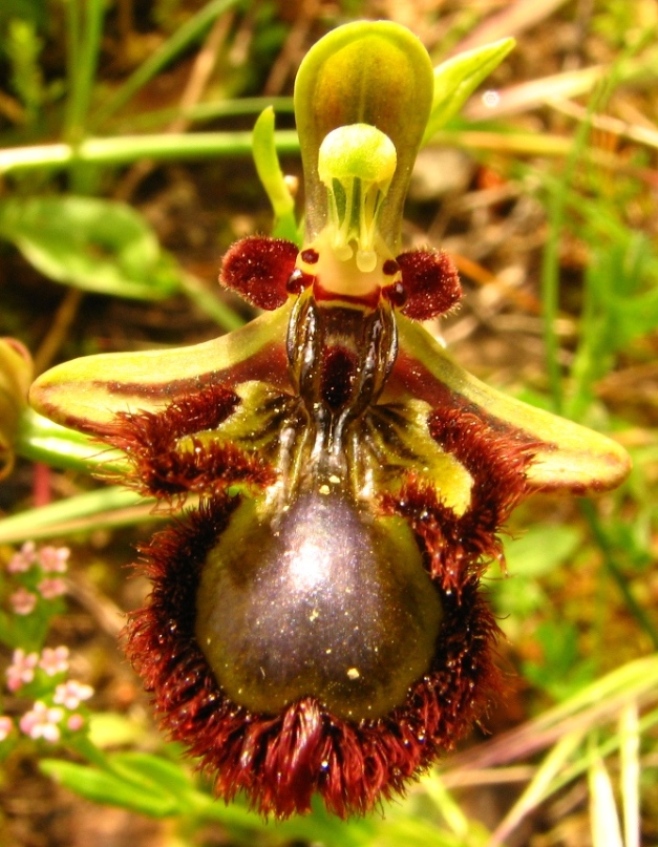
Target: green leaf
[[105, 787], [542, 549], [562, 671], [538, 551], [416, 832], [153, 770], [456, 79], [182, 38], [367, 72], [96, 245]]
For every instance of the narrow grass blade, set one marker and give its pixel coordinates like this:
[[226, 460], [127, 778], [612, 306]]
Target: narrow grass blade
[[540, 787], [604, 820], [111, 506], [629, 731]]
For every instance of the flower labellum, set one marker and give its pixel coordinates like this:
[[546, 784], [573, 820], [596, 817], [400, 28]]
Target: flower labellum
[[316, 623]]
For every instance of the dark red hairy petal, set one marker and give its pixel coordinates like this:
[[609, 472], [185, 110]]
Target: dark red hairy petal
[[161, 467], [496, 455], [280, 761], [258, 269], [431, 283]]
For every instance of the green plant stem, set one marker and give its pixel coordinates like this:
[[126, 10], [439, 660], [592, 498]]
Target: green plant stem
[[128, 149], [42, 440], [108, 507], [616, 574], [550, 272], [85, 27], [565, 773], [630, 773], [72, 11], [184, 36], [550, 283], [540, 786]]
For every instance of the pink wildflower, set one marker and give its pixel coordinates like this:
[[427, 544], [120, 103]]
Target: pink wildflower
[[21, 670], [52, 587], [6, 726], [75, 722], [42, 722], [54, 559], [54, 660], [71, 693], [23, 601], [24, 559]]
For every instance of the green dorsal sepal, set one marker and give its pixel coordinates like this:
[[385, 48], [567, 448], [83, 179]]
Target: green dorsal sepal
[[367, 72]]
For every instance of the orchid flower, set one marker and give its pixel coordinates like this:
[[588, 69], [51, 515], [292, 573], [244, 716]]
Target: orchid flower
[[316, 622]]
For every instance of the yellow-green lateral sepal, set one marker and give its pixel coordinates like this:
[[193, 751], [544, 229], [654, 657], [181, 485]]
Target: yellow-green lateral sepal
[[86, 394], [566, 456], [367, 72]]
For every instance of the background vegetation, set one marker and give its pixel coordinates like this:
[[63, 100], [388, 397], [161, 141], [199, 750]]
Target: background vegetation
[[125, 173]]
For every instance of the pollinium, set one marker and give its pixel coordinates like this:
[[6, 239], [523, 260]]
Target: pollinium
[[316, 623]]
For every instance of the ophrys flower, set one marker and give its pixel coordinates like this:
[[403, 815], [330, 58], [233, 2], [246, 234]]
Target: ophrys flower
[[316, 623]]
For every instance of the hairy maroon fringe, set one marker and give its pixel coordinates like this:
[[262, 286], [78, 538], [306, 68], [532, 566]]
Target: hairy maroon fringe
[[184, 415], [281, 760], [497, 457], [165, 471], [489, 448]]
